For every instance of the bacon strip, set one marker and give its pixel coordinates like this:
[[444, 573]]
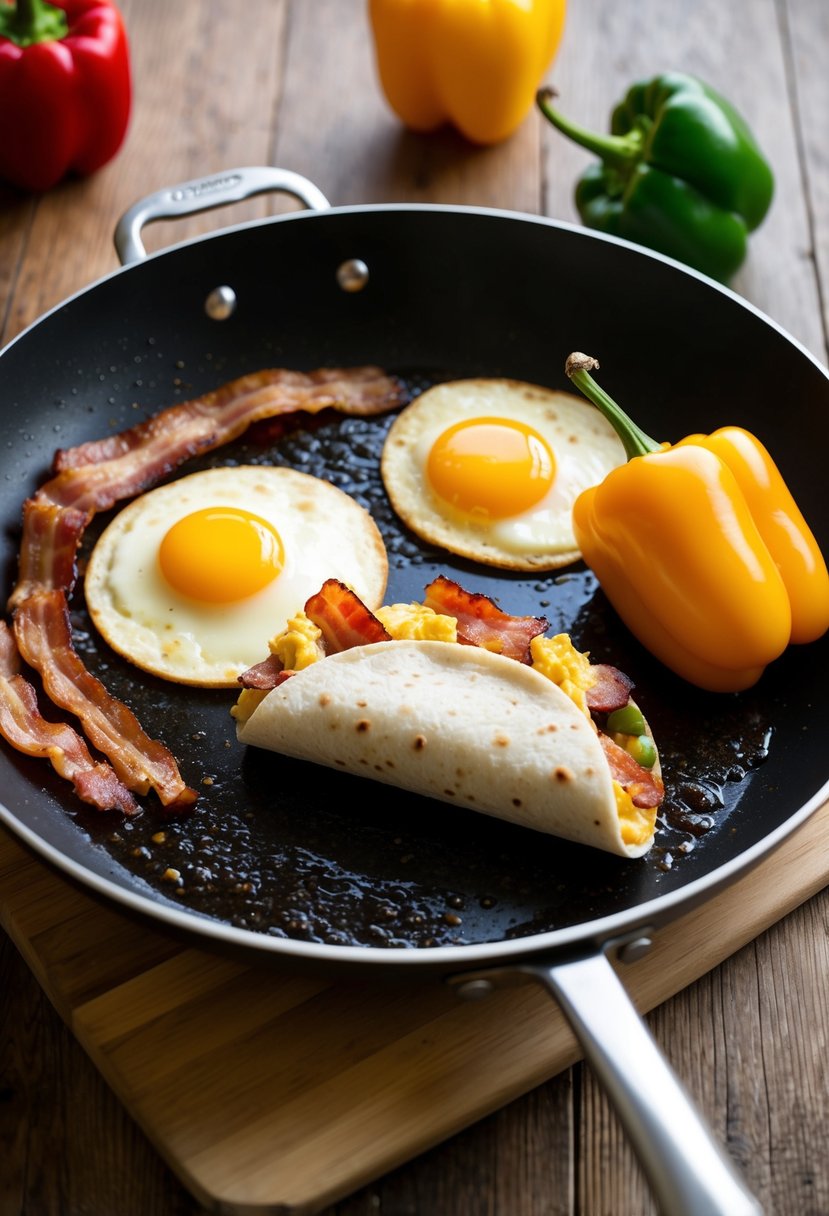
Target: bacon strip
[[343, 618], [48, 555], [222, 414], [611, 691], [481, 622], [94, 476], [22, 725], [42, 631], [644, 786]]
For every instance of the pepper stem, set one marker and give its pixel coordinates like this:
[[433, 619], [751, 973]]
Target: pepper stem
[[614, 150], [635, 442], [30, 21]]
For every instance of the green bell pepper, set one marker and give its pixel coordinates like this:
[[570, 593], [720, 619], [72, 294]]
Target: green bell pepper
[[680, 172]]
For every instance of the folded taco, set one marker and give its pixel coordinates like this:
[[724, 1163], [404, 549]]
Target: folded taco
[[456, 700]]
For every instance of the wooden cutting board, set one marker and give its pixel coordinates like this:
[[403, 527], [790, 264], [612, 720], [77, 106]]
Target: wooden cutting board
[[266, 1091]]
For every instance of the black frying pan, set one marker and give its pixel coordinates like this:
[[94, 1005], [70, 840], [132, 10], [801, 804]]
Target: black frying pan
[[287, 862]]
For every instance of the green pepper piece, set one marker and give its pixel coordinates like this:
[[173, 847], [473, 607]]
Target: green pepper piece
[[680, 172], [626, 721], [642, 748]]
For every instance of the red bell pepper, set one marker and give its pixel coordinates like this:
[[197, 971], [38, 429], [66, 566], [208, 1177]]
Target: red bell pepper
[[65, 89]]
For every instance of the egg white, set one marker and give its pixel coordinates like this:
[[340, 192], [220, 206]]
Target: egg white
[[583, 442], [325, 534]]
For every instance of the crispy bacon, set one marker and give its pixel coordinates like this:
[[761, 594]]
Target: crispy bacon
[[42, 631], [611, 691], [343, 618], [22, 725], [47, 558], [264, 675], [644, 786], [481, 622], [221, 415]]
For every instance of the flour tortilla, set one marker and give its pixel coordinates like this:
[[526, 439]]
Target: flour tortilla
[[456, 723]]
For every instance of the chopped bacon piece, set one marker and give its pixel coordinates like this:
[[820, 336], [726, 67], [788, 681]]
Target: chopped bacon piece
[[611, 691], [42, 631], [343, 618], [644, 786], [22, 725], [481, 622], [266, 674]]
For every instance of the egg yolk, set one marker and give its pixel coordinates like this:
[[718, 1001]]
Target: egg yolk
[[494, 467], [221, 554]]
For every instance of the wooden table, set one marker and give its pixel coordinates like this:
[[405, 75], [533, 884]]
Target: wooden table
[[292, 83]]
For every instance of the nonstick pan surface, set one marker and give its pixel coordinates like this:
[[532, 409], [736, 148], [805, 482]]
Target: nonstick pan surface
[[287, 859]]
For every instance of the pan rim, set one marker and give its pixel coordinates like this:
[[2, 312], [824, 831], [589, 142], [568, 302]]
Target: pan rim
[[656, 911]]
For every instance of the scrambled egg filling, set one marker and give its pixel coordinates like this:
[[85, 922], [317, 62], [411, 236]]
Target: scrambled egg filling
[[417, 623], [636, 823], [558, 660], [297, 646], [246, 703]]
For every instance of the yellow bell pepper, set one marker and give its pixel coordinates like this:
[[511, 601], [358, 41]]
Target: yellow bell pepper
[[701, 550], [474, 63], [781, 525]]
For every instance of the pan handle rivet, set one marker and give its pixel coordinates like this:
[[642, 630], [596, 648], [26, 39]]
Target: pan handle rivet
[[631, 951], [352, 275], [220, 304], [474, 990]]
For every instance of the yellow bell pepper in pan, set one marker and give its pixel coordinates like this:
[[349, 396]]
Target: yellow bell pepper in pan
[[781, 525], [701, 549], [474, 63]]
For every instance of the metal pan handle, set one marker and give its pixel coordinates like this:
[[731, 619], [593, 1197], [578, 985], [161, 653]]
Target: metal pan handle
[[689, 1174], [204, 194]]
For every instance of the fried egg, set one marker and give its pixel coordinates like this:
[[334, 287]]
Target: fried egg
[[490, 468], [192, 579]]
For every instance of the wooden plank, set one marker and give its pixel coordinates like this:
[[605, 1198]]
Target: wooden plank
[[607, 46], [341, 134], [248, 95], [15, 219], [247, 1078], [807, 28], [190, 119], [766, 1102]]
